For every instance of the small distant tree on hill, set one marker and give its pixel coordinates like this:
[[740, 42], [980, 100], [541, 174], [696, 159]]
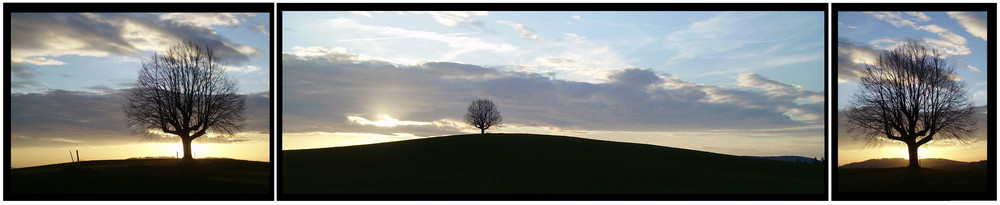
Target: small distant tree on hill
[[483, 114], [909, 95]]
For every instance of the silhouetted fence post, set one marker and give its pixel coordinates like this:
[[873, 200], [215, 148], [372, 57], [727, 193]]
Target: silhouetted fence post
[[77, 155], [71, 156]]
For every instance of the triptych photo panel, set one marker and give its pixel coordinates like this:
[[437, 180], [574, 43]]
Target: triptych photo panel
[[500, 101]]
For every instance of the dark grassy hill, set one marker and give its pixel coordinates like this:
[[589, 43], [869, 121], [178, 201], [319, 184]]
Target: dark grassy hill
[[143, 176], [526, 164], [905, 180]]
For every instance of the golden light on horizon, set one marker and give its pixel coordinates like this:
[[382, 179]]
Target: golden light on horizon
[[966, 153]]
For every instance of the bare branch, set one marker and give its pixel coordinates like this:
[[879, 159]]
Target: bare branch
[[184, 91], [908, 95], [483, 114]]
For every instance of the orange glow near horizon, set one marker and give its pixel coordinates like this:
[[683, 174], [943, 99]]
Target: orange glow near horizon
[[257, 150], [967, 153]]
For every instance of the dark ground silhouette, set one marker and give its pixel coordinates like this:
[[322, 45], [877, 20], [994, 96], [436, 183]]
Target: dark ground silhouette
[[537, 164], [144, 176]]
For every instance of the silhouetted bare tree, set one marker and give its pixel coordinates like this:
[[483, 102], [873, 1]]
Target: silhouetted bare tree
[[184, 91], [909, 95], [483, 114]]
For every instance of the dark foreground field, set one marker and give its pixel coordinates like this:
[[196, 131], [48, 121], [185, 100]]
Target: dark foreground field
[[143, 176], [537, 164], [905, 180]]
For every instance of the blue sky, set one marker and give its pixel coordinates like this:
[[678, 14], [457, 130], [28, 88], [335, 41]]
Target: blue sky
[[704, 47], [95, 52], [863, 34], [960, 37], [743, 83]]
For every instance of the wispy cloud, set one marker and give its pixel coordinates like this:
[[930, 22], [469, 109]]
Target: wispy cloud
[[363, 13], [973, 68], [526, 33], [949, 42], [460, 43], [973, 22], [576, 38], [42, 36], [851, 58], [845, 25], [457, 18]]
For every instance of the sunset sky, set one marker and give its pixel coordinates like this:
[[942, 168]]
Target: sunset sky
[[960, 36], [68, 72], [740, 83]]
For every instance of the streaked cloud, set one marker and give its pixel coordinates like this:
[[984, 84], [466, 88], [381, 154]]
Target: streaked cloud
[[949, 42], [456, 18], [973, 22], [460, 44], [42, 36], [575, 38], [526, 33]]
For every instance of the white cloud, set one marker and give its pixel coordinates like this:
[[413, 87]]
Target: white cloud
[[972, 68], [577, 17], [852, 57], [342, 54], [919, 16], [244, 69], [779, 89], [36, 38], [950, 43], [974, 23], [584, 62], [60, 139], [576, 38], [526, 33], [455, 18], [315, 51], [386, 121], [263, 29], [362, 13], [206, 20], [461, 44], [845, 25], [42, 61]]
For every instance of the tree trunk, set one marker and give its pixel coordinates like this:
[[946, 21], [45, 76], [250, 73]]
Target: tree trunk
[[482, 131], [187, 148], [914, 161]]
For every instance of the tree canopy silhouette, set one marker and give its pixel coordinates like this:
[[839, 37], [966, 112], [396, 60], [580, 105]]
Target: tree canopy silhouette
[[909, 95], [483, 114], [184, 91]]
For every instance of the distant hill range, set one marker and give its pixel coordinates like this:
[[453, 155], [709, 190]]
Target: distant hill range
[[933, 163], [788, 158]]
